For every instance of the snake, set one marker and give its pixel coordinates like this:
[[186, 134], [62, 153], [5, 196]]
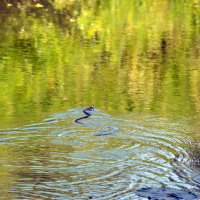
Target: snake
[[110, 129], [87, 114]]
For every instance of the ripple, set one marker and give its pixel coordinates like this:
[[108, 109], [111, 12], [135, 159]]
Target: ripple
[[115, 156]]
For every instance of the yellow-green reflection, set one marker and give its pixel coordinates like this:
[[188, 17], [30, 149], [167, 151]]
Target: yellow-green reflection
[[123, 56]]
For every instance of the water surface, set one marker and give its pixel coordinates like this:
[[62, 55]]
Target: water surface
[[103, 158], [136, 61]]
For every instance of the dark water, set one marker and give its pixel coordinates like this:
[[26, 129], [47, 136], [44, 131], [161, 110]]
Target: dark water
[[137, 62]]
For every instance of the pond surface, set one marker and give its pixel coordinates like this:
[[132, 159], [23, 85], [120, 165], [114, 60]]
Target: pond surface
[[104, 158], [137, 62]]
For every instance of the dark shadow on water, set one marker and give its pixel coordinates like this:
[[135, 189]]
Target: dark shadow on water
[[103, 134], [166, 194]]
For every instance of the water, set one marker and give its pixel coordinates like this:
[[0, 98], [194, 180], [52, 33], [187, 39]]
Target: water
[[136, 61], [104, 158]]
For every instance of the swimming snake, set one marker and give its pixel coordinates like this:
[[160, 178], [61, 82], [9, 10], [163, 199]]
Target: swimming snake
[[110, 129], [91, 108]]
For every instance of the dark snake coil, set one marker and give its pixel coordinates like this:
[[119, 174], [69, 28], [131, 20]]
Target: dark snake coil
[[91, 108]]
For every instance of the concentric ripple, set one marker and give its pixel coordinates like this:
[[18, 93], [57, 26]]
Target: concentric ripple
[[103, 158]]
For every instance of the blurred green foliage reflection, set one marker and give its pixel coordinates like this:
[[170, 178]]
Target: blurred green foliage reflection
[[122, 56]]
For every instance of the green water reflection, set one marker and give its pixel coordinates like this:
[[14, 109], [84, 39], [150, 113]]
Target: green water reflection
[[123, 56], [126, 57]]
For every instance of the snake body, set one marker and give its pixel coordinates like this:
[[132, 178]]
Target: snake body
[[103, 132], [85, 111]]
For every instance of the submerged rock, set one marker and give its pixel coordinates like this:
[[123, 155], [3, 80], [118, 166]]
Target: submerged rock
[[165, 194]]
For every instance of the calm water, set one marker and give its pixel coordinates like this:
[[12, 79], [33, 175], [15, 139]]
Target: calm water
[[136, 61]]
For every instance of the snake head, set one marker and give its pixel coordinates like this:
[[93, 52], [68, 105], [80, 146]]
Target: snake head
[[91, 107]]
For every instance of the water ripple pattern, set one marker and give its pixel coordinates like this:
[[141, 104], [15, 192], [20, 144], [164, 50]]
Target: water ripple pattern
[[103, 158]]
